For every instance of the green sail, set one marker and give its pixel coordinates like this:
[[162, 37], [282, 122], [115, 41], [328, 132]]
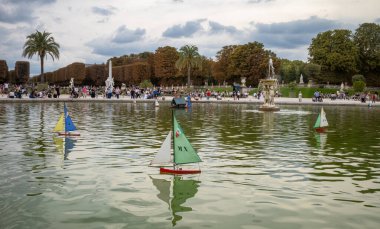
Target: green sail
[[184, 152], [318, 122], [182, 191]]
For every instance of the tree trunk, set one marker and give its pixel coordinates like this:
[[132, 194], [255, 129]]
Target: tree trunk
[[42, 69], [188, 76]]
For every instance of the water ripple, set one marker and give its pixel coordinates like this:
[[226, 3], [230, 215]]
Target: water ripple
[[267, 170]]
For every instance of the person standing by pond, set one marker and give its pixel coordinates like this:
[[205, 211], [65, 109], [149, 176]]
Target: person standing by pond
[[84, 91], [117, 92], [373, 97], [57, 89], [300, 96]]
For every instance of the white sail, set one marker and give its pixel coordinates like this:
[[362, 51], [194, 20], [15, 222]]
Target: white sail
[[324, 122], [164, 153]]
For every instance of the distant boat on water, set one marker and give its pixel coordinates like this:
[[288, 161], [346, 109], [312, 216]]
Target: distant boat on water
[[183, 152], [178, 103], [65, 125], [321, 123]]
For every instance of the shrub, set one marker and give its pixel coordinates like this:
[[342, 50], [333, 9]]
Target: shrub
[[146, 84], [292, 86], [358, 78], [359, 86]]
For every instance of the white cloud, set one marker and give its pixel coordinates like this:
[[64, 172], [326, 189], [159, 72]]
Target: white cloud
[[90, 31]]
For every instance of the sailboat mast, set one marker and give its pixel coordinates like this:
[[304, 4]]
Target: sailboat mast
[[173, 139], [64, 116]]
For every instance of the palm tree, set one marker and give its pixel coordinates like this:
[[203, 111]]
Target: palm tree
[[41, 44], [188, 58]]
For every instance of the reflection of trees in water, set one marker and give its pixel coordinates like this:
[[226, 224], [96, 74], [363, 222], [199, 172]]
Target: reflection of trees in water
[[175, 192]]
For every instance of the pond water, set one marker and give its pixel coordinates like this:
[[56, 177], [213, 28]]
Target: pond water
[[259, 170]]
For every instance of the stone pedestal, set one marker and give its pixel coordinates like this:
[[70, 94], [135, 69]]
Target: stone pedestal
[[268, 86]]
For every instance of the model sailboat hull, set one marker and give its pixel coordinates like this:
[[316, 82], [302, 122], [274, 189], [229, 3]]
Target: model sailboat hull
[[321, 129], [179, 171], [68, 134]]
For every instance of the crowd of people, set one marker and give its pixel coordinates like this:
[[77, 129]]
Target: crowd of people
[[134, 92], [363, 97]]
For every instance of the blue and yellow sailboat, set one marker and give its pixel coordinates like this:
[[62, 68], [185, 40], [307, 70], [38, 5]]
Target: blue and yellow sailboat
[[65, 125]]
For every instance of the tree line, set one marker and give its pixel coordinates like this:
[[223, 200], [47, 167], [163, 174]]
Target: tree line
[[334, 57]]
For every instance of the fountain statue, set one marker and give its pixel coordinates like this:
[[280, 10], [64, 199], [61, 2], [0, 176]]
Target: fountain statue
[[243, 81], [71, 84], [342, 87], [269, 85], [301, 79], [109, 82]]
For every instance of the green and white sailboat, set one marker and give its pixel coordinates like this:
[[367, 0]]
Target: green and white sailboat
[[181, 153], [321, 124]]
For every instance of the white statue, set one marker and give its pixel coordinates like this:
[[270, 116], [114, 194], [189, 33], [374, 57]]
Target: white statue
[[271, 96], [301, 79], [266, 95], [243, 80], [71, 83], [109, 82], [271, 69]]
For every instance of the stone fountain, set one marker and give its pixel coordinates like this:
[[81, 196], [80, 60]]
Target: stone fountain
[[269, 85], [109, 82]]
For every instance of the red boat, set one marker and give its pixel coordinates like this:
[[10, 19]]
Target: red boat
[[68, 134], [179, 171], [320, 129]]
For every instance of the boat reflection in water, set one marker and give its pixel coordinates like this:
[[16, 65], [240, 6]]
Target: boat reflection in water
[[321, 139], [175, 191], [64, 145]]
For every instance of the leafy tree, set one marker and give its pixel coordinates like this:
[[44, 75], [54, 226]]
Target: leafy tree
[[164, 62], [42, 44], [222, 68], [251, 61], [312, 71], [335, 51], [204, 72], [291, 71], [188, 59], [367, 39]]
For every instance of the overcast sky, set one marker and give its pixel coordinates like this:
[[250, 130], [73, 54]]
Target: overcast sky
[[92, 31]]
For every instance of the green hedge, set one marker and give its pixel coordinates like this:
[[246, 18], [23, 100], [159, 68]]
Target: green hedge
[[286, 91], [308, 92]]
